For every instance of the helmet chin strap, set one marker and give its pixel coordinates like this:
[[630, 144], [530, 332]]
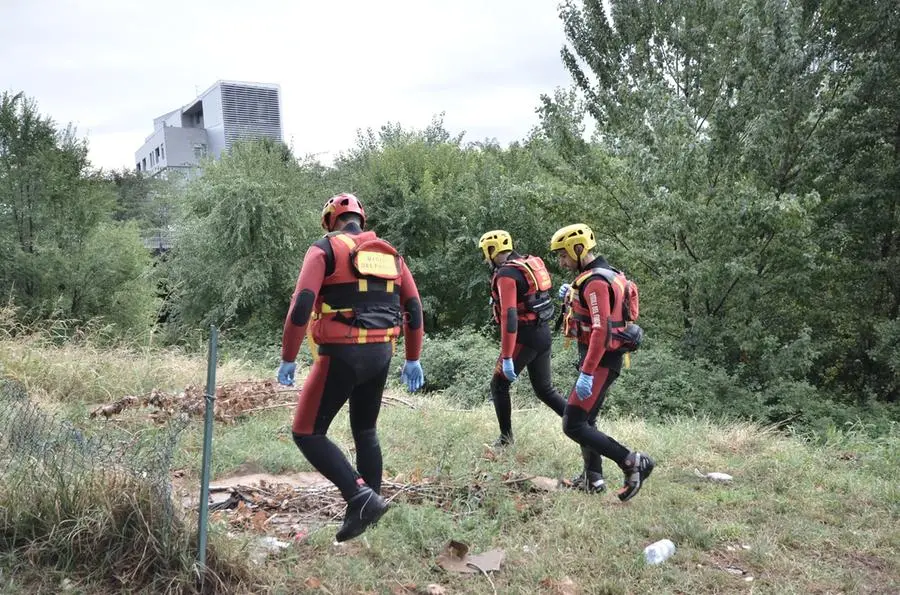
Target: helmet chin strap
[[581, 257]]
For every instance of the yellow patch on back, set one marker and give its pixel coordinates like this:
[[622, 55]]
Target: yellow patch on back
[[377, 264]]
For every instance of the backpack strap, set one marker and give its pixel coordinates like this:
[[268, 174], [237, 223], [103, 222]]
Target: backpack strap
[[609, 275], [324, 244], [522, 265]]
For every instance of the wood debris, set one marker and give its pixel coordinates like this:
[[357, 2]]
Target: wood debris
[[231, 401]]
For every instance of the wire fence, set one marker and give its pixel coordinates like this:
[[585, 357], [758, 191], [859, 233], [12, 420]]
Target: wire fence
[[44, 450]]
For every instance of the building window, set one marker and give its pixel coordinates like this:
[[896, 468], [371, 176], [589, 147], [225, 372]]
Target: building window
[[144, 164], [157, 154], [138, 165], [162, 148], [199, 151]]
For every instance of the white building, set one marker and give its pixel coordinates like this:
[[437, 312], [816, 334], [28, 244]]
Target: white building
[[226, 112]]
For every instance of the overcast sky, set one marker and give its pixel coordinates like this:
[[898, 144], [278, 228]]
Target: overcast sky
[[111, 66]]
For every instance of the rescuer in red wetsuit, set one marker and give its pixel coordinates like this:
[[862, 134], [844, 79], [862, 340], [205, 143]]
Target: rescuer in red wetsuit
[[356, 294], [521, 306], [595, 307]]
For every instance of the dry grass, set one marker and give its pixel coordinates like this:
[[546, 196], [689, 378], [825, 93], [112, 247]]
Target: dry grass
[[799, 517], [78, 365], [115, 534]]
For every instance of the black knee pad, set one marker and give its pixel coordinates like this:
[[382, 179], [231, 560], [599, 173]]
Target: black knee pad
[[414, 310], [305, 440], [498, 380], [573, 428], [366, 438]]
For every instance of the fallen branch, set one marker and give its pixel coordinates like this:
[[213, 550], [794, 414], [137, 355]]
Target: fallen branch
[[231, 400], [276, 406], [389, 399], [486, 575], [519, 479]]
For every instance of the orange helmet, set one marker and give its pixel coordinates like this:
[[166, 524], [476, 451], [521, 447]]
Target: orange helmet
[[337, 206]]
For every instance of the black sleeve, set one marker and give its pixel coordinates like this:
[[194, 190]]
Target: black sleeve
[[518, 276], [325, 246]]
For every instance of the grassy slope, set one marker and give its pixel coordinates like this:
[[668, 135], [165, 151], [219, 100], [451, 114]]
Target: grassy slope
[[814, 518], [819, 518]]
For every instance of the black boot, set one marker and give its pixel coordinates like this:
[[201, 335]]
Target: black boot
[[637, 469], [591, 482], [591, 479], [503, 440], [363, 509]]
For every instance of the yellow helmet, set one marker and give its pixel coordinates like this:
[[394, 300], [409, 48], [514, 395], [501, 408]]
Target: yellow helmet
[[570, 236], [494, 242]]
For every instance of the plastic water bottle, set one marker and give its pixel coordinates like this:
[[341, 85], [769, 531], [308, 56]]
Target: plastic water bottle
[[719, 477], [659, 552]]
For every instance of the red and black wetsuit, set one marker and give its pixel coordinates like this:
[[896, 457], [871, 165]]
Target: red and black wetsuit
[[591, 305], [355, 320], [523, 338]]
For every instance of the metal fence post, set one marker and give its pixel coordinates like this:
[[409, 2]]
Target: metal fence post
[[207, 448]]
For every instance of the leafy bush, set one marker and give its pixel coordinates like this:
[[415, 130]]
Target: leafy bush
[[460, 365], [660, 383]]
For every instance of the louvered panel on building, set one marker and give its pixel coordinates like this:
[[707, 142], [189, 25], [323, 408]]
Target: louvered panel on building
[[250, 112]]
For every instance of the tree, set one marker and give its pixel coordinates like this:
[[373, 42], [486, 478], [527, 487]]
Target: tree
[[433, 196], [708, 116], [754, 177], [52, 209], [858, 174], [242, 229]]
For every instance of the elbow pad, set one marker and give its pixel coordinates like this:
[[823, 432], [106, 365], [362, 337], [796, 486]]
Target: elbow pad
[[414, 309], [303, 307], [512, 320]]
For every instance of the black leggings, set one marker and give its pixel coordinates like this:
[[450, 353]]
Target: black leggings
[[344, 372], [580, 418], [532, 351]]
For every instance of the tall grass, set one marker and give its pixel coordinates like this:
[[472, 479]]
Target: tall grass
[[113, 529], [89, 506], [80, 364], [800, 516]]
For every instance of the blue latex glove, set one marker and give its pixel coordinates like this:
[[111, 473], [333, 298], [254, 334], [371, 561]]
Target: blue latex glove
[[563, 290], [508, 369], [286, 373], [583, 386], [412, 375]]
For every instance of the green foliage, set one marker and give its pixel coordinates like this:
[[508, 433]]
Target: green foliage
[[111, 277], [738, 160], [662, 384], [735, 131], [460, 365], [433, 197], [244, 226], [62, 253]]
